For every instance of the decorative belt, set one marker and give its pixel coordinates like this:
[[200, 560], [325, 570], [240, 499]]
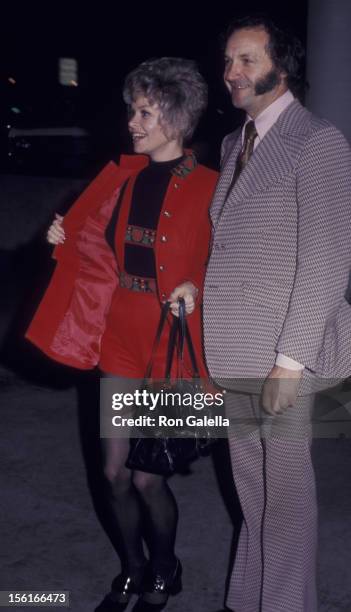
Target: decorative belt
[[137, 283], [140, 235]]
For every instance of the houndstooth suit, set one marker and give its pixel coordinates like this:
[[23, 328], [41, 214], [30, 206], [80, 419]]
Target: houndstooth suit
[[276, 282]]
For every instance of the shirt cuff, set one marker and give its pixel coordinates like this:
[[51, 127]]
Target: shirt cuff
[[286, 362]]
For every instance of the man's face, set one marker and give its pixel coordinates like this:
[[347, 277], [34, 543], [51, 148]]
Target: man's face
[[250, 76]]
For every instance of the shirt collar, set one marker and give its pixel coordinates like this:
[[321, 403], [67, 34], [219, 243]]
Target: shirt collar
[[269, 116]]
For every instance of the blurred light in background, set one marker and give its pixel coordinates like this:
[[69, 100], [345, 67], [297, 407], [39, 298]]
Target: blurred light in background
[[68, 71]]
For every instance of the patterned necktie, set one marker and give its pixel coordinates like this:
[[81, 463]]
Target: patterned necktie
[[245, 153]]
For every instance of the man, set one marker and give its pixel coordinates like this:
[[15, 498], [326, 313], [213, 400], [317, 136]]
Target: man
[[274, 309]]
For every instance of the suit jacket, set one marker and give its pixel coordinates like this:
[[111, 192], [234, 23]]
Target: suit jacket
[[70, 321], [280, 262]]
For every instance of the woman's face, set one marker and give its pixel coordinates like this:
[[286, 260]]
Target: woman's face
[[149, 136]]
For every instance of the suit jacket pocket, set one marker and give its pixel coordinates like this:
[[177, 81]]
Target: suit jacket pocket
[[334, 359], [263, 305], [265, 295]]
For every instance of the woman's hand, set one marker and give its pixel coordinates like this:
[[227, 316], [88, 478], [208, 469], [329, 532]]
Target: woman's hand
[[189, 292], [56, 233]]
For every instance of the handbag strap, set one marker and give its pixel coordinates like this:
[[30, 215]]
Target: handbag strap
[[172, 342], [164, 313], [184, 336], [181, 326], [191, 352], [179, 334]]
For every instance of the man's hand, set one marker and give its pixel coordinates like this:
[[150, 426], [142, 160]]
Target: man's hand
[[56, 233], [280, 389], [189, 292]]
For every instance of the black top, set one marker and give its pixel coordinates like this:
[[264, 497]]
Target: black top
[[147, 198]]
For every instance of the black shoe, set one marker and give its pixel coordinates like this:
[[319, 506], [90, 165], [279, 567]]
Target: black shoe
[[122, 589], [157, 588]]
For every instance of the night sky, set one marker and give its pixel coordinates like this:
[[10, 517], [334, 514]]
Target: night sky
[[109, 39]]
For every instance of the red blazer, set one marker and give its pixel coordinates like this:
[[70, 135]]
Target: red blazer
[[70, 320]]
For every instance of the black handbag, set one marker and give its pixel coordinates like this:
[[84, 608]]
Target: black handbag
[[168, 454]]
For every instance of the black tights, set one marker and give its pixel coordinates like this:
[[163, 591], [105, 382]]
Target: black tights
[[138, 500]]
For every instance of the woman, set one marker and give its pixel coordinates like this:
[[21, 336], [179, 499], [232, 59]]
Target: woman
[[137, 237]]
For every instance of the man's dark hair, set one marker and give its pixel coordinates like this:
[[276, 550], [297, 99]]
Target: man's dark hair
[[284, 48]]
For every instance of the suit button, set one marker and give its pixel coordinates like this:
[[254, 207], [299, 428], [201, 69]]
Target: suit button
[[176, 185], [167, 213], [163, 238], [163, 296], [161, 267]]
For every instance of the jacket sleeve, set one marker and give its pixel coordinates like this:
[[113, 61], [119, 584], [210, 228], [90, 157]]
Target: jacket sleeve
[[323, 245]]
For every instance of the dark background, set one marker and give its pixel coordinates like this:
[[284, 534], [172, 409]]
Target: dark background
[[108, 40]]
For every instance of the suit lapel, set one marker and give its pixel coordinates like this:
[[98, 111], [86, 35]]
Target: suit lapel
[[268, 163], [227, 171], [273, 158]]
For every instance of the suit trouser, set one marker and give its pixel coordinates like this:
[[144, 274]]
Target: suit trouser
[[275, 564]]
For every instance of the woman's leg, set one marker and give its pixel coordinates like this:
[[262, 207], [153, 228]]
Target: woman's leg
[[124, 504], [126, 525], [163, 576], [161, 514], [124, 507], [122, 497]]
